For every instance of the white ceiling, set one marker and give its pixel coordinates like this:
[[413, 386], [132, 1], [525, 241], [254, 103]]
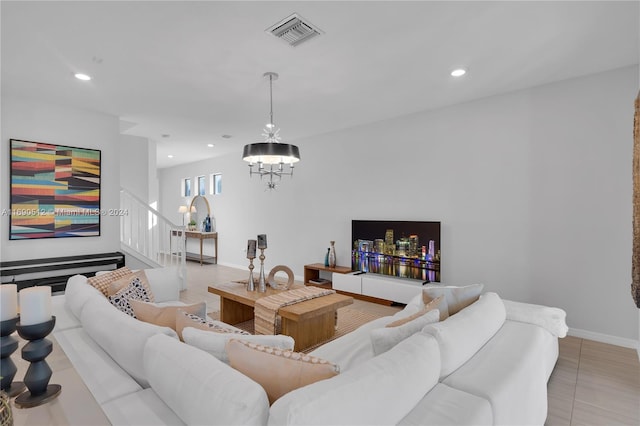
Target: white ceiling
[[193, 70]]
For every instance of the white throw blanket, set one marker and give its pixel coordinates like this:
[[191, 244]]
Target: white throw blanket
[[551, 319]]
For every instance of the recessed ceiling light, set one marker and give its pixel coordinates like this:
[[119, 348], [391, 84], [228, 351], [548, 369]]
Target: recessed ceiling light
[[82, 77], [210, 145], [226, 136], [170, 155], [458, 72], [166, 135]]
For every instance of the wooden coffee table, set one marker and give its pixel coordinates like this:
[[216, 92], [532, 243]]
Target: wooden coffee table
[[309, 322]]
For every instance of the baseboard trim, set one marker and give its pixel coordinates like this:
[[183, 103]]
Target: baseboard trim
[[606, 338]]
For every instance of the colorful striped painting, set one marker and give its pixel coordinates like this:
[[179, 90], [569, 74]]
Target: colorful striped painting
[[55, 191]]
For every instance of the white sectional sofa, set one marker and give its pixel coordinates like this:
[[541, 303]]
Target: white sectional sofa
[[484, 365]]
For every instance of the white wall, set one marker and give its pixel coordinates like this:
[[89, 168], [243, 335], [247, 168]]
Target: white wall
[[134, 165], [533, 190], [37, 121], [138, 171]]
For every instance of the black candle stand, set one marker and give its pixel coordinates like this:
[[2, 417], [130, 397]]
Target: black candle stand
[[39, 372], [8, 345]]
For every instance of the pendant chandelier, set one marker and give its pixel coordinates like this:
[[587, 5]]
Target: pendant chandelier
[[271, 159]]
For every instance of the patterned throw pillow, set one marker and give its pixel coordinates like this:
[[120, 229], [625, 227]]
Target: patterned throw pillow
[[277, 371], [102, 281], [187, 319], [136, 290]]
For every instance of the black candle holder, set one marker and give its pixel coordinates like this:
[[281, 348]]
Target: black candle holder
[[39, 372], [8, 345]]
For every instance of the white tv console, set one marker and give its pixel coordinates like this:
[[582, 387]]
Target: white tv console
[[400, 290]]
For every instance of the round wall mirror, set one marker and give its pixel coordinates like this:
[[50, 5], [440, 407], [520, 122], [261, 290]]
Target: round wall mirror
[[199, 209]]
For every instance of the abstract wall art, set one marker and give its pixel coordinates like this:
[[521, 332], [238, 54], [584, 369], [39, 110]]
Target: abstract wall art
[[55, 191]]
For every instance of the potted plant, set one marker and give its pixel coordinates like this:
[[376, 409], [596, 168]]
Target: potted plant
[[192, 225]]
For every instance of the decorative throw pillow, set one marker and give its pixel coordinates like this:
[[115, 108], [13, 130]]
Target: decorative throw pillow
[[189, 319], [215, 343], [436, 303], [457, 298], [102, 281], [135, 290], [164, 316], [121, 283], [277, 371], [383, 339]]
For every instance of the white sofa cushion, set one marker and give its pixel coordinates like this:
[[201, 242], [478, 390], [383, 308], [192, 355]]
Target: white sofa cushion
[[165, 283], [462, 335], [214, 343], [380, 391], [121, 336], [456, 298], [511, 372], [65, 319], [143, 408], [446, 406], [77, 293], [103, 376], [199, 388], [352, 349], [386, 338]]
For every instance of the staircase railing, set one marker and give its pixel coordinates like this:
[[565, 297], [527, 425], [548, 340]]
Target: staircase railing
[[150, 235]]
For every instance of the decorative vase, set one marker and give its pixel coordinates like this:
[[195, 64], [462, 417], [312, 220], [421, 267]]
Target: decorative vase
[[332, 255], [326, 257]]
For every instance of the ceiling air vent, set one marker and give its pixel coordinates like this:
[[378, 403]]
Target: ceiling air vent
[[294, 30]]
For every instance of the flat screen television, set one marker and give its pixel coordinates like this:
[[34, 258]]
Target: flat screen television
[[405, 249]]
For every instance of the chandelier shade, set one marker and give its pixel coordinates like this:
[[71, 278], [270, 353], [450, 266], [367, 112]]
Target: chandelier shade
[[271, 152]]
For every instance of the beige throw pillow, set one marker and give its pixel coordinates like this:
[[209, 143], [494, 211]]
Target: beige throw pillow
[[123, 282], [103, 281], [164, 316], [437, 303], [457, 298], [277, 371]]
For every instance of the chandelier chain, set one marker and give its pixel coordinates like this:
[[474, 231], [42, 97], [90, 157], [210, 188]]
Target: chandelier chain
[[271, 99]]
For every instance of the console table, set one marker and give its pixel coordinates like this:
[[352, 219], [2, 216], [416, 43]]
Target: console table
[[198, 235], [312, 272], [203, 236]]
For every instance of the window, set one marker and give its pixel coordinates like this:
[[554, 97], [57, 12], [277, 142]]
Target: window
[[216, 184], [186, 187], [201, 186]]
